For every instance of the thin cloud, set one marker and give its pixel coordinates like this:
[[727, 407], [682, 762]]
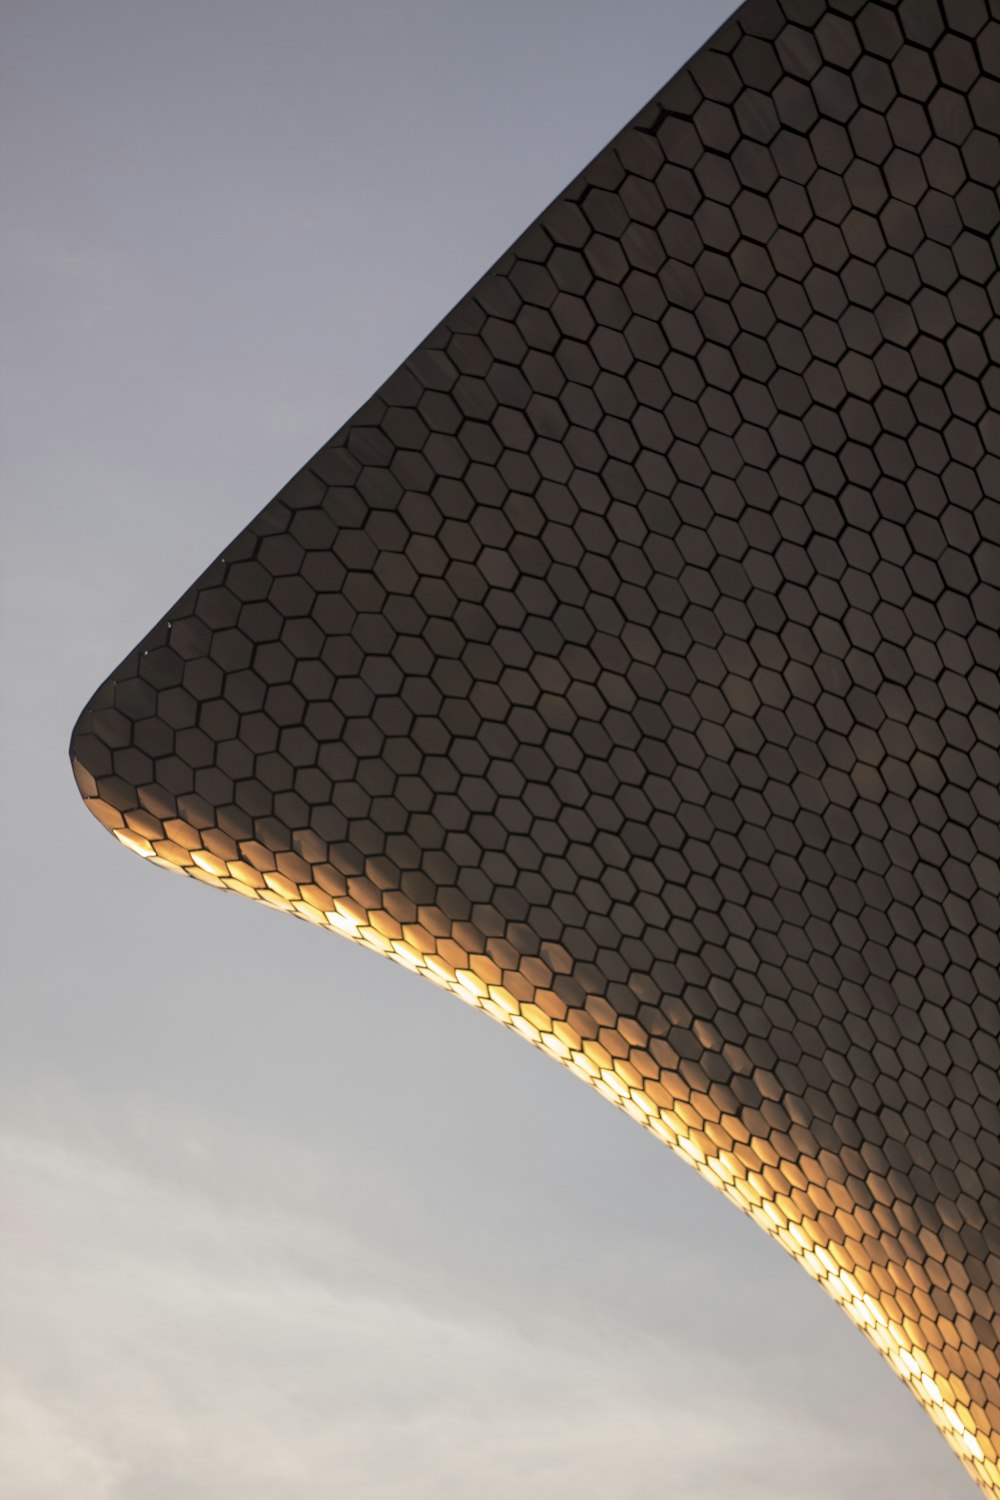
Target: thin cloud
[[207, 1320]]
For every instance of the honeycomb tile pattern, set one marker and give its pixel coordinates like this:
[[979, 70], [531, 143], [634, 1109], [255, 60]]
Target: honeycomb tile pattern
[[629, 664]]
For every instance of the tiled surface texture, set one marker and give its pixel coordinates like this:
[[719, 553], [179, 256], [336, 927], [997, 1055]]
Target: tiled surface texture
[[629, 664]]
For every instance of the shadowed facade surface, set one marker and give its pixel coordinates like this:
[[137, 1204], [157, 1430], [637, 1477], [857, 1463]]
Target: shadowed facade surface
[[628, 665]]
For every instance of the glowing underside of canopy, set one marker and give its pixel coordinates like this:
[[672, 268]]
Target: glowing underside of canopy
[[884, 1303]]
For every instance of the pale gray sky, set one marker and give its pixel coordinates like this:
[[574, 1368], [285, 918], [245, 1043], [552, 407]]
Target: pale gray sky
[[284, 1223]]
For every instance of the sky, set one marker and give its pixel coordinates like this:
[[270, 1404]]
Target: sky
[[283, 1222]]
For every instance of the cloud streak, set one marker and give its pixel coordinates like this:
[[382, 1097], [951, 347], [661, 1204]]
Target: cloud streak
[[199, 1315]]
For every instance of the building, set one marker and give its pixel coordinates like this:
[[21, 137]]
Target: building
[[628, 664]]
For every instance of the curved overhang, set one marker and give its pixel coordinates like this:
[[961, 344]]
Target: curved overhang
[[628, 665]]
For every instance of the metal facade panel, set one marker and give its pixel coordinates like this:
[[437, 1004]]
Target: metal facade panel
[[629, 663]]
